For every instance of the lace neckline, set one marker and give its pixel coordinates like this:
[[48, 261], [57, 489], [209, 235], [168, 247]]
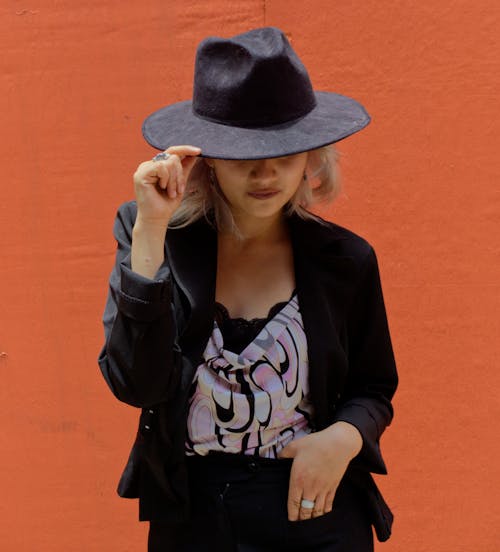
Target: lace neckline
[[225, 316], [239, 341]]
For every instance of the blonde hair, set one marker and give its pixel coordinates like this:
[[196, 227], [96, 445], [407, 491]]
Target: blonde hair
[[204, 197]]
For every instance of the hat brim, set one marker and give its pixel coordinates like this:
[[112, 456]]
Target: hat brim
[[334, 118]]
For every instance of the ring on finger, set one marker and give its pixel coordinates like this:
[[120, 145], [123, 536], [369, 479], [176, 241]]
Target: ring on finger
[[161, 156], [307, 504]]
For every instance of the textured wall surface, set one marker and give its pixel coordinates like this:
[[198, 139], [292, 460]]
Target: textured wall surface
[[420, 183]]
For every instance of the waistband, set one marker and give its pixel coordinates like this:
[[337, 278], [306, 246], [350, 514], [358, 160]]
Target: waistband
[[225, 463]]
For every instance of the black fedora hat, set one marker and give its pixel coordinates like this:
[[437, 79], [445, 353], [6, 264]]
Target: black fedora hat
[[253, 99]]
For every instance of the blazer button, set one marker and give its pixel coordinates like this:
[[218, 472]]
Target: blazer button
[[151, 411], [253, 466], [147, 427]]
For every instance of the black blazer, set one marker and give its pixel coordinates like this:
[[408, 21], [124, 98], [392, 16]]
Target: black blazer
[[156, 331]]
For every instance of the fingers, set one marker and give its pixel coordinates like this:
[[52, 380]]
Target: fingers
[[301, 511], [299, 492], [298, 511], [306, 512], [329, 500], [293, 504], [323, 504], [187, 156], [182, 160], [183, 151], [302, 488], [169, 175]]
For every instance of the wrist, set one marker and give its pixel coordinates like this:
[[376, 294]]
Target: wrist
[[147, 251], [345, 437], [150, 226]]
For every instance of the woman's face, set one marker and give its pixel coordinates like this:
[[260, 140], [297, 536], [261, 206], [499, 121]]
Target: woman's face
[[259, 188]]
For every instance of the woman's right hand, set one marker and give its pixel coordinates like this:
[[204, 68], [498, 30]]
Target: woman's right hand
[[160, 185]]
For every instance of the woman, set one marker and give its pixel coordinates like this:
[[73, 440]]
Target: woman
[[252, 334]]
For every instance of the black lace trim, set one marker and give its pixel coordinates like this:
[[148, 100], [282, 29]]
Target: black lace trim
[[224, 316], [239, 332]]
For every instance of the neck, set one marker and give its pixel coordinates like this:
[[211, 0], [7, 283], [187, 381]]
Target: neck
[[255, 231]]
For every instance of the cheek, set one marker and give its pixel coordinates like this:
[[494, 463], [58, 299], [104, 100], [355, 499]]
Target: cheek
[[230, 185], [294, 182]]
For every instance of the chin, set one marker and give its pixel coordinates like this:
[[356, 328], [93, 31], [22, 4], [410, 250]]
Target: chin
[[266, 213]]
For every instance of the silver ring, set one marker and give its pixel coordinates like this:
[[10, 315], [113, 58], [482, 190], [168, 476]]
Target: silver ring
[[307, 504], [161, 156]]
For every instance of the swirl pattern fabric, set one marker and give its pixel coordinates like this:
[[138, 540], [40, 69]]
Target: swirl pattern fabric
[[254, 402]]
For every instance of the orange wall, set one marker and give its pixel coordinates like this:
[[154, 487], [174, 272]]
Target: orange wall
[[421, 183]]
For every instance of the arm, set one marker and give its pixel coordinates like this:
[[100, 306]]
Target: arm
[[372, 377], [321, 458], [141, 359]]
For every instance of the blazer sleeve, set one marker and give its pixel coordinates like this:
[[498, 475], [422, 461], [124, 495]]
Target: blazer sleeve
[[140, 358], [372, 376]]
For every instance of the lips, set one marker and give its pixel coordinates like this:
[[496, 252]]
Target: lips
[[263, 194]]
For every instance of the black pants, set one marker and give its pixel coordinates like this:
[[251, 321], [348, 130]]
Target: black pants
[[239, 504]]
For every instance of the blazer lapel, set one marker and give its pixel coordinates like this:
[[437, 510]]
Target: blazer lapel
[[324, 277], [192, 256]]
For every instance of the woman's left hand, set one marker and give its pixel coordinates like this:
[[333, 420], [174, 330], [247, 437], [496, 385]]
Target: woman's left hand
[[319, 463]]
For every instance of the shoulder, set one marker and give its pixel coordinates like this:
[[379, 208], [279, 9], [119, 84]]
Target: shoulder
[[324, 237], [349, 241]]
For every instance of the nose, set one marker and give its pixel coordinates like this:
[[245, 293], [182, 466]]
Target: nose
[[264, 169]]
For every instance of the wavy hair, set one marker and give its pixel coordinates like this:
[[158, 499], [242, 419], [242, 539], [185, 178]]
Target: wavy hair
[[204, 197]]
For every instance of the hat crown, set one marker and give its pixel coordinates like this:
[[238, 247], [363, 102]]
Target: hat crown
[[254, 79]]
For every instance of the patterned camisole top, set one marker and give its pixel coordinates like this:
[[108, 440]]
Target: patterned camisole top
[[251, 398]]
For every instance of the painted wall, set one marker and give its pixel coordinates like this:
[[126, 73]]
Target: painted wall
[[420, 183]]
